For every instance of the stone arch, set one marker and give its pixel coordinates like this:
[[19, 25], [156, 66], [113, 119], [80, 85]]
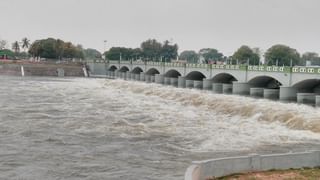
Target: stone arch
[[265, 81], [195, 75], [152, 71], [223, 78], [172, 73], [113, 68], [137, 70], [124, 69], [308, 86]]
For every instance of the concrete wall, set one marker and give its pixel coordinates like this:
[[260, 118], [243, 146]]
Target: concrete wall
[[10, 69], [200, 170], [41, 70], [98, 68]]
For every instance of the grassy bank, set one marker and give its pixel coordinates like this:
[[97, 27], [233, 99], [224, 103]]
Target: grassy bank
[[291, 174]]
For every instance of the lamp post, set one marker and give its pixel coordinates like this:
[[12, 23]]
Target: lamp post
[[104, 48]]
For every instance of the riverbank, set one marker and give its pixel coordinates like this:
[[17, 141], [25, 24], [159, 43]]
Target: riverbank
[[297, 174]]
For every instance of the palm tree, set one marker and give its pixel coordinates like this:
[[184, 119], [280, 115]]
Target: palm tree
[[16, 47], [25, 43]]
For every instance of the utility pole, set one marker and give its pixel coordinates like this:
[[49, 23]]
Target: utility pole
[[104, 48]]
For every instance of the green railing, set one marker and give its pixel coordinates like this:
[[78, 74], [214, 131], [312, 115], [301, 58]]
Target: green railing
[[308, 70], [280, 69], [284, 69]]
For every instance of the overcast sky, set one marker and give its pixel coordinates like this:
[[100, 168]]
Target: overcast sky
[[192, 24]]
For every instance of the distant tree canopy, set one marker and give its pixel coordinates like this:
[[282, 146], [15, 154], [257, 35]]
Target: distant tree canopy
[[190, 56], [245, 53], [3, 44], [55, 49], [115, 53], [312, 57], [210, 54], [91, 54], [282, 55], [150, 50], [16, 47]]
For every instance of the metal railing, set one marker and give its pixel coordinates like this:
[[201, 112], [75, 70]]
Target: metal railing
[[262, 68]]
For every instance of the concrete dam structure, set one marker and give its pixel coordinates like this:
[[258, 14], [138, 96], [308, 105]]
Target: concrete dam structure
[[42, 69], [288, 84]]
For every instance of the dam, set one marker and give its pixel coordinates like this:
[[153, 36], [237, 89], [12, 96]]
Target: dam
[[288, 84]]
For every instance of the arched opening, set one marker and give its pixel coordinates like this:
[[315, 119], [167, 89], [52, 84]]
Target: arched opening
[[196, 76], [137, 70], [124, 69], [172, 73], [113, 68], [224, 78], [152, 71], [308, 86], [265, 81]]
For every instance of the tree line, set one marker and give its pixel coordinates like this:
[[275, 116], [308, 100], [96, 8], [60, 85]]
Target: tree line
[[276, 55], [149, 50], [153, 50], [51, 49]]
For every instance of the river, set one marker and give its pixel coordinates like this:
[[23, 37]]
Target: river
[[78, 128]]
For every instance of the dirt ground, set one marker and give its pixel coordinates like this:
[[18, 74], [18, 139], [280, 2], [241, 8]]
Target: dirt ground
[[293, 174]]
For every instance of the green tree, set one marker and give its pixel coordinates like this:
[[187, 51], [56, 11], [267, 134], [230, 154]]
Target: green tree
[[16, 47], [92, 54], [25, 43], [245, 53], [35, 49], [115, 53], [55, 49], [151, 49], [48, 49], [282, 55], [3, 44], [190, 56], [169, 52], [310, 56], [210, 54]]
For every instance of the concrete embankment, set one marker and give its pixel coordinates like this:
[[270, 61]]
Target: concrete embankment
[[41, 69], [200, 170]]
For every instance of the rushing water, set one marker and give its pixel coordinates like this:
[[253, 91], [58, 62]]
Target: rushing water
[[80, 128]]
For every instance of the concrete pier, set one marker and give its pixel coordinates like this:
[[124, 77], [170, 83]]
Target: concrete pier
[[167, 81], [198, 84], [288, 94], [227, 88], [132, 77], [174, 82], [159, 78], [141, 76], [272, 94], [207, 84], [256, 92], [189, 84], [121, 75], [152, 79], [147, 78], [137, 77], [116, 73], [241, 88], [317, 100], [217, 88], [128, 75], [181, 82], [306, 98]]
